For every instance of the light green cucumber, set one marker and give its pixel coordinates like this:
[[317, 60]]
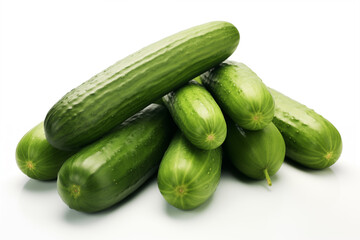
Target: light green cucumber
[[188, 176], [37, 158], [241, 94], [197, 115]]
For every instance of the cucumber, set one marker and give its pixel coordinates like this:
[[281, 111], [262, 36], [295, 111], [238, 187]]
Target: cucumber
[[106, 171], [197, 115], [36, 158], [110, 97], [311, 140], [241, 94], [188, 176], [257, 154]]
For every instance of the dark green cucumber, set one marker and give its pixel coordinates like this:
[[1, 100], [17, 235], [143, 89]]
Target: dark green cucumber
[[110, 97], [188, 176], [106, 171], [310, 139], [37, 158], [257, 154], [197, 115], [241, 94]]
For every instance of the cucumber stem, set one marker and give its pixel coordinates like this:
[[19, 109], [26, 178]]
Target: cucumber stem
[[210, 137], [267, 177], [180, 190], [75, 191], [30, 165]]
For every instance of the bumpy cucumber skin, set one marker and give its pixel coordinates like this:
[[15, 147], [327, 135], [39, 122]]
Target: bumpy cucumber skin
[[36, 158], [105, 172], [188, 176], [241, 94], [110, 97], [197, 115], [251, 152], [310, 139]]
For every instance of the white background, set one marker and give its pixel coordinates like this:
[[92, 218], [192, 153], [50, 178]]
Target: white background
[[308, 50]]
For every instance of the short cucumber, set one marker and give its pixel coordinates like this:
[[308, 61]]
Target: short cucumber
[[241, 94], [257, 154], [106, 171], [37, 158], [92, 109], [311, 140], [188, 176], [197, 115]]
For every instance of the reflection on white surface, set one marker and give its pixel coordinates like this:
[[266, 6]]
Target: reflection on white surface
[[307, 203]]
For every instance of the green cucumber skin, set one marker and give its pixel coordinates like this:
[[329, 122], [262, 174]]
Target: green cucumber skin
[[251, 152], [106, 171], [197, 115], [241, 94], [188, 176], [311, 140], [110, 97], [36, 158]]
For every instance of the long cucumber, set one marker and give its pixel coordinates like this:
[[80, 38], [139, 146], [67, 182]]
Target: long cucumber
[[105, 172], [110, 97]]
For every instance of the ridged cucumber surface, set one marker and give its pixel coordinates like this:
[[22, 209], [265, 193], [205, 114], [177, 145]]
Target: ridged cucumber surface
[[110, 97], [37, 158], [257, 154], [105, 172], [197, 115], [311, 140], [241, 94], [188, 176]]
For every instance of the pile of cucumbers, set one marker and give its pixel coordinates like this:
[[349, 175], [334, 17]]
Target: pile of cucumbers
[[174, 108]]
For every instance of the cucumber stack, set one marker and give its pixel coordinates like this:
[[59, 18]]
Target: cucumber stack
[[254, 146], [107, 137]]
